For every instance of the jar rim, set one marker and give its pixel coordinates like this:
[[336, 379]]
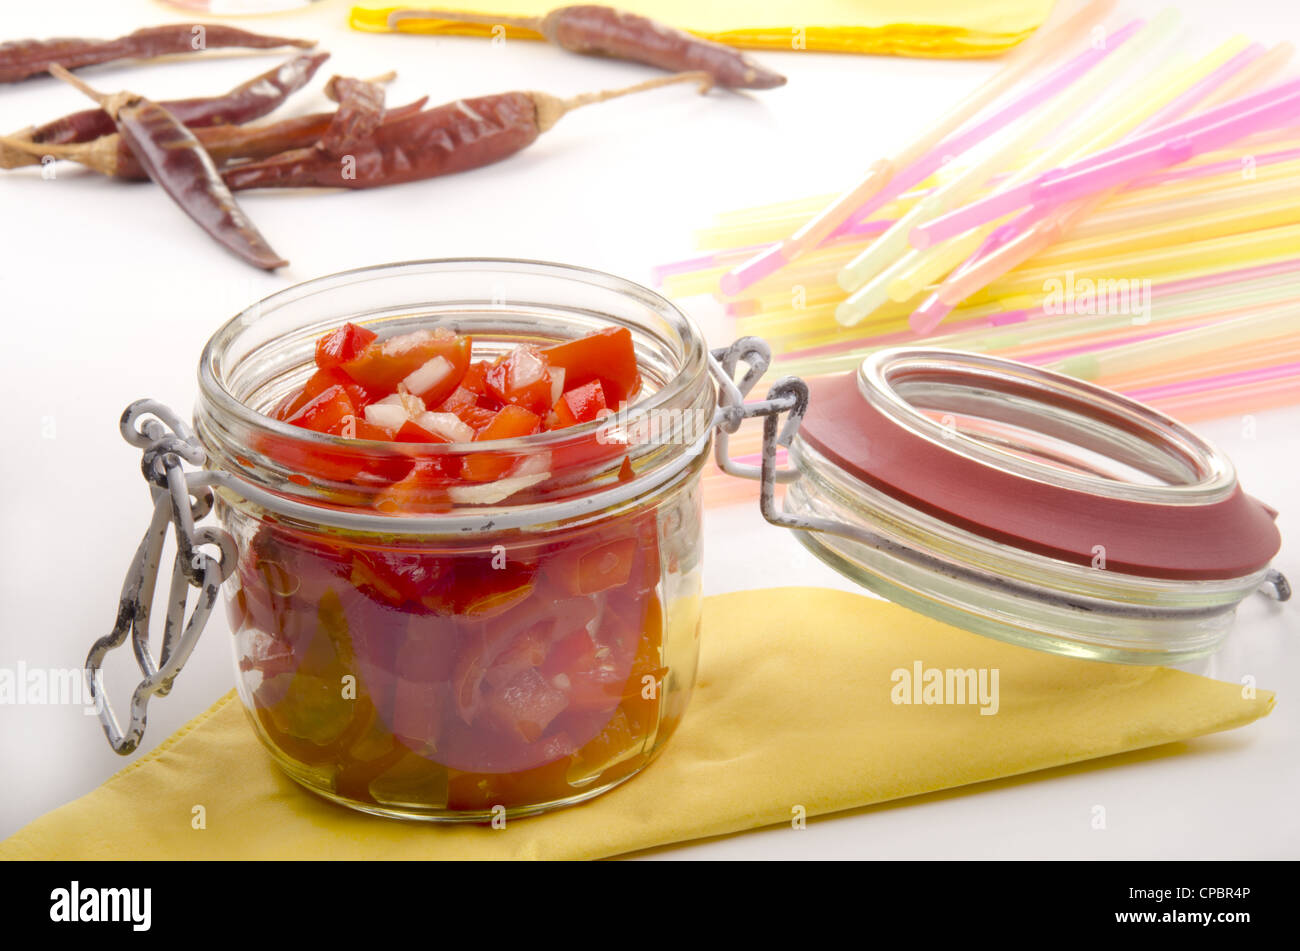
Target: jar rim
[[1212, 476], [218, 397]]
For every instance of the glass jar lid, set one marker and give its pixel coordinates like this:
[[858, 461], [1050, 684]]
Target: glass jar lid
[[1027, 505]]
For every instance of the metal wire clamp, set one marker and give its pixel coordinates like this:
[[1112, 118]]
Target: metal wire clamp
[[180, 498]]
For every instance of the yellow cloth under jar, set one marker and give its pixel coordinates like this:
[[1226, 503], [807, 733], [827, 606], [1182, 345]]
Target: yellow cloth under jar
[[794, 707]]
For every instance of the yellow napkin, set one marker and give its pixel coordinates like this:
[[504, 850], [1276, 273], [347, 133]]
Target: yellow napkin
[[902, 27], [793, 709]]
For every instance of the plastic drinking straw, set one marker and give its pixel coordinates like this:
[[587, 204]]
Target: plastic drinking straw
[[888, 246], [1263, 210], [1123, 200], [1167, 88], [1211, 72], [1278, 371], [1252, 76], [740, 232], [1032, 231], [1039, 48], [1048, 230], [794, 324], [1261, 358], [1188, 206], [1039, 334], [1189, 260], [1168, 145], [1261, 355], [994, 329], [1280, 321], [806, 316]]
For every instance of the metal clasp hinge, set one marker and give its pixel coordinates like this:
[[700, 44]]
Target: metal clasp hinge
[[182, 499], [789, 395]]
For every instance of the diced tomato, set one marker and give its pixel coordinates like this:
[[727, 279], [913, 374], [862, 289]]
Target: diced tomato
[[510, 423], [522, 379], [581, 404], [475, 379], [318, 383], [385, 363], [478, 418], [413, 432], [607, 355], [331, 412], [461, 399], [423, 489], [367, 430], [342, 345]]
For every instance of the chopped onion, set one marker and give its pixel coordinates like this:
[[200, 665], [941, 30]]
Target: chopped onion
[[411, 404], [447, 425], [489, 493], [429, 375], [557, 384], [526, 367], [386, 414], [533, 464]]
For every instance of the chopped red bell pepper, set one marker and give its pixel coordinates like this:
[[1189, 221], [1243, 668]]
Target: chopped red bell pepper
[[342, 345], [412, 431], [523, 379], [581, 404], [510, 423], [385, 363], [607, 355], [331, 412]]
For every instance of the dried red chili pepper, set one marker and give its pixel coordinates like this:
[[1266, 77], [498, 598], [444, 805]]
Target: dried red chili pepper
[[360, 112], [455, 137], [249, 100], [21, 59], [605, 31], [172, 156], [110, 156]]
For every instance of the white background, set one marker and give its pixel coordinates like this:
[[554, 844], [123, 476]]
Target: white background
[[108, 294]]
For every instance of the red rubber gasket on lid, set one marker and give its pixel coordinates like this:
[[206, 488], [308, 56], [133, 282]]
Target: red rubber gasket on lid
[[1232, 537]]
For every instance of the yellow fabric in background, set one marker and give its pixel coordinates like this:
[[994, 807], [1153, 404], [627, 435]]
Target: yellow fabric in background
[[945, 28], [793, 708]]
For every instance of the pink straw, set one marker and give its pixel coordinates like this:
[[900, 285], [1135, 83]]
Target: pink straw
[[1239, 378], [774, 258], [1168, 145]]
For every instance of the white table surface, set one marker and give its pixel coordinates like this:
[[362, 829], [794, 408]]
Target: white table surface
[[108, 294]]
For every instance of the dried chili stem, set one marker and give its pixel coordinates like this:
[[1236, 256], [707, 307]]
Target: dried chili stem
[[550, 109]]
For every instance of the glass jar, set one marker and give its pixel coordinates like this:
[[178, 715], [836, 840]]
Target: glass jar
[[518, 645]]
